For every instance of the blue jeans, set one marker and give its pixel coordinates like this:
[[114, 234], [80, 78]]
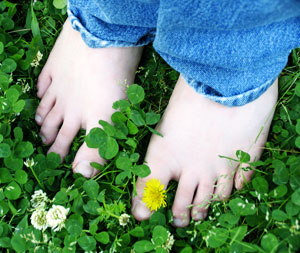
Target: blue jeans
[[230, 51]]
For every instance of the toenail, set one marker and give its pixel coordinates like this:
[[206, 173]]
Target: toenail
[[178, 222], [85, 169], [199, 216], [140, 210], [38, 118], [43, 138]]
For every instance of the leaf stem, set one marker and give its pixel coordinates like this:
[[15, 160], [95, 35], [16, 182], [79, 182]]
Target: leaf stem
[[37, 179]]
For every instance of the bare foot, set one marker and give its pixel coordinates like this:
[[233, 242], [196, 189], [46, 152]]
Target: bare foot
[[196, 131], [77, 87]]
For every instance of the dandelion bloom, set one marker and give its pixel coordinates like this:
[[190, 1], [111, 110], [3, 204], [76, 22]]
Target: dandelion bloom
[[154, 194]]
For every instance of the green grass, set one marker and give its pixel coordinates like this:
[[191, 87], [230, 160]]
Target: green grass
[[263, 217]]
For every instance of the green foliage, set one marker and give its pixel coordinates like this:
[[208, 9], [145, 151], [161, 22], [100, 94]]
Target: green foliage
[[159, 236], [264, 217], [60, 4], [123, 134]]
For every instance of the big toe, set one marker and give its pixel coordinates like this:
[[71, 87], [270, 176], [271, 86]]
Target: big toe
[[86, 155], [140, 209], [83, 159]]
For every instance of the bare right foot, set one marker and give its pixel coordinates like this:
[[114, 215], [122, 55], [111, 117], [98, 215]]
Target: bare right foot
[[77, 87], [196, 131]]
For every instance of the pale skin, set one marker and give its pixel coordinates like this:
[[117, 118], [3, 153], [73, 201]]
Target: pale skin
[[77, 88]]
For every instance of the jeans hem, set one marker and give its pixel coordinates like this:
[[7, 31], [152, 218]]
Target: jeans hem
[[231, 101], [95, 42]]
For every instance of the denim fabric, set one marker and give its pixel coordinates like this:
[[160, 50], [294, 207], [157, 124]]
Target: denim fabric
[[113, 23], [230, 51]]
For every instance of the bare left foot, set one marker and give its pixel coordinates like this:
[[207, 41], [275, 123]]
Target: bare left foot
[[77, 87]]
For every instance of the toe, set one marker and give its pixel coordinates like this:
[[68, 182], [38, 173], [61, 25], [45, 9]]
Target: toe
[[203, 199], [44, 80], [44, 107], [242, 177], [224, 186], [65, 136], [51, 125], [184, 196], [158, 171], [85, 156]]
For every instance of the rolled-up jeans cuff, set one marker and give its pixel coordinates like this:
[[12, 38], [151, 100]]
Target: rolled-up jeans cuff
[[236, 100], [95, 42]]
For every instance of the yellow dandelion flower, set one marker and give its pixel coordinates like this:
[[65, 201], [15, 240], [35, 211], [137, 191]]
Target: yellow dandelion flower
[[154, 194]]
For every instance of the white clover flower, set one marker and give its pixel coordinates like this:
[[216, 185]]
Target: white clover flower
[[29, 162], [124, 219], [36, 61], [39, 199], [56, 217], [38, 219], [169, 243]]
